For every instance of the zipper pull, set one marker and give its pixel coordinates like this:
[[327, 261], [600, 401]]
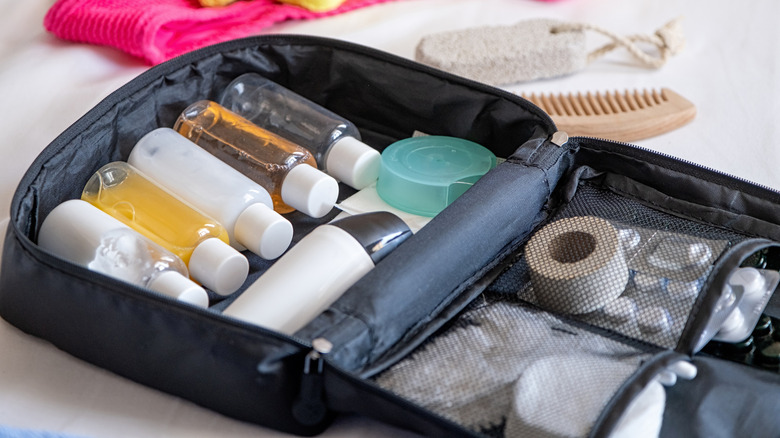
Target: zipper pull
[[560, 138], [309, 407], [539, 149]]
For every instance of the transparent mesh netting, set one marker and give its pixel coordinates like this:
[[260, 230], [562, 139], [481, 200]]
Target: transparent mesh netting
[[543, 351], [507, 369], [617, 264]]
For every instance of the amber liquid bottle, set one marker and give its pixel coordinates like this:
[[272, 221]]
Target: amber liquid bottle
[[287, 171], [334, 140]]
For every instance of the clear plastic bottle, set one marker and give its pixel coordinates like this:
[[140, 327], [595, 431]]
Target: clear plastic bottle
[[243, 207], [200, 241], [334, 140], [82, 234], [288, 171]]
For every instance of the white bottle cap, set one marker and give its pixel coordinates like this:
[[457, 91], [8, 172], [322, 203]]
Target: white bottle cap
[[175, 285], [218, 266], [263, 231], [310, 191], [353, 162], [750, 279]]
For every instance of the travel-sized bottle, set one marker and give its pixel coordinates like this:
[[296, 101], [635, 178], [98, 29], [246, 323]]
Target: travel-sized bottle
[[318, 270], [82, 234], [243, 207], [334, 140], [287, 170], [125, 193]]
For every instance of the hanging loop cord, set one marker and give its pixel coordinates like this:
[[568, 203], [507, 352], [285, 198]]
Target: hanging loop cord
[[668, 41]]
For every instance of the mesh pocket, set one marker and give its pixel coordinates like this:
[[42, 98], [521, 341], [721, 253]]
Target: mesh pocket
[[506, 367], [617, 264], [592, 296]]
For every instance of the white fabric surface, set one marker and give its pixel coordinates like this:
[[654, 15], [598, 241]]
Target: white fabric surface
[[730, 69]]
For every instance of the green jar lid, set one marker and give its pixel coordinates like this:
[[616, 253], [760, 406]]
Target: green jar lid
[[423, 175]]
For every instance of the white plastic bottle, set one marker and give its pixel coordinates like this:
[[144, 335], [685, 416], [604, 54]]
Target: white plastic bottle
[[334, 140], [318, 270], [243, 207], [81, 233]]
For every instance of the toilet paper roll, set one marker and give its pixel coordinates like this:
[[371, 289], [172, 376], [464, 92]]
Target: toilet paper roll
[[576, 265]]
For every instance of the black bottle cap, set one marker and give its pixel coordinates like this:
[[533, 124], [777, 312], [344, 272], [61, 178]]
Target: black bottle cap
[[379, 232], [738, 349], [763, 327], [769, 355]]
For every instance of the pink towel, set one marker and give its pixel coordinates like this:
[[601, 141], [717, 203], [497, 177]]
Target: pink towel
[[158, 30]]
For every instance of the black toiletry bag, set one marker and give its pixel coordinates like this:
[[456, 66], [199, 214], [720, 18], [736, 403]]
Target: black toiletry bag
[[445, 335]]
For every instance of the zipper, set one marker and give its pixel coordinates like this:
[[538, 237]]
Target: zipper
[[311, 40], [309, 407], [703, 172], [705, 169], [155, 73], [406, 63], [559, 138]]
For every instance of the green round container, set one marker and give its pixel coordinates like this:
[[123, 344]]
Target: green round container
[[423, 175]]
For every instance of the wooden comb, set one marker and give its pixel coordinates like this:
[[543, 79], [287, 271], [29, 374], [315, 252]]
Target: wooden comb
[[630, 116]]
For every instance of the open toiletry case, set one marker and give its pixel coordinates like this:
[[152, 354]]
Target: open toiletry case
[[478, 325]]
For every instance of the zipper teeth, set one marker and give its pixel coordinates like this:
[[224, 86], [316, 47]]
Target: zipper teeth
[[154, 73], [252, 41], [594, 140]]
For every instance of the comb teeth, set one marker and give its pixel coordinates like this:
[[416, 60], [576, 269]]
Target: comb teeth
[[597, 104], [626, 116]]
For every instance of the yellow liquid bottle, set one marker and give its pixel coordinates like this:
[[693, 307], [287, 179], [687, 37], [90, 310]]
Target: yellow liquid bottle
[[201, 242], [286, 170]]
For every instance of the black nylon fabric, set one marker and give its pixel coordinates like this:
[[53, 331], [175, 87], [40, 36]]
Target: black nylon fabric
[[244, 372], [457, 244], [388, 98], [160, 344], [683, 188], [725, 400], [251, 374]]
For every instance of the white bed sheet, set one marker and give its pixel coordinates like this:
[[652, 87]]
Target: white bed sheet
[[730, 69]]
